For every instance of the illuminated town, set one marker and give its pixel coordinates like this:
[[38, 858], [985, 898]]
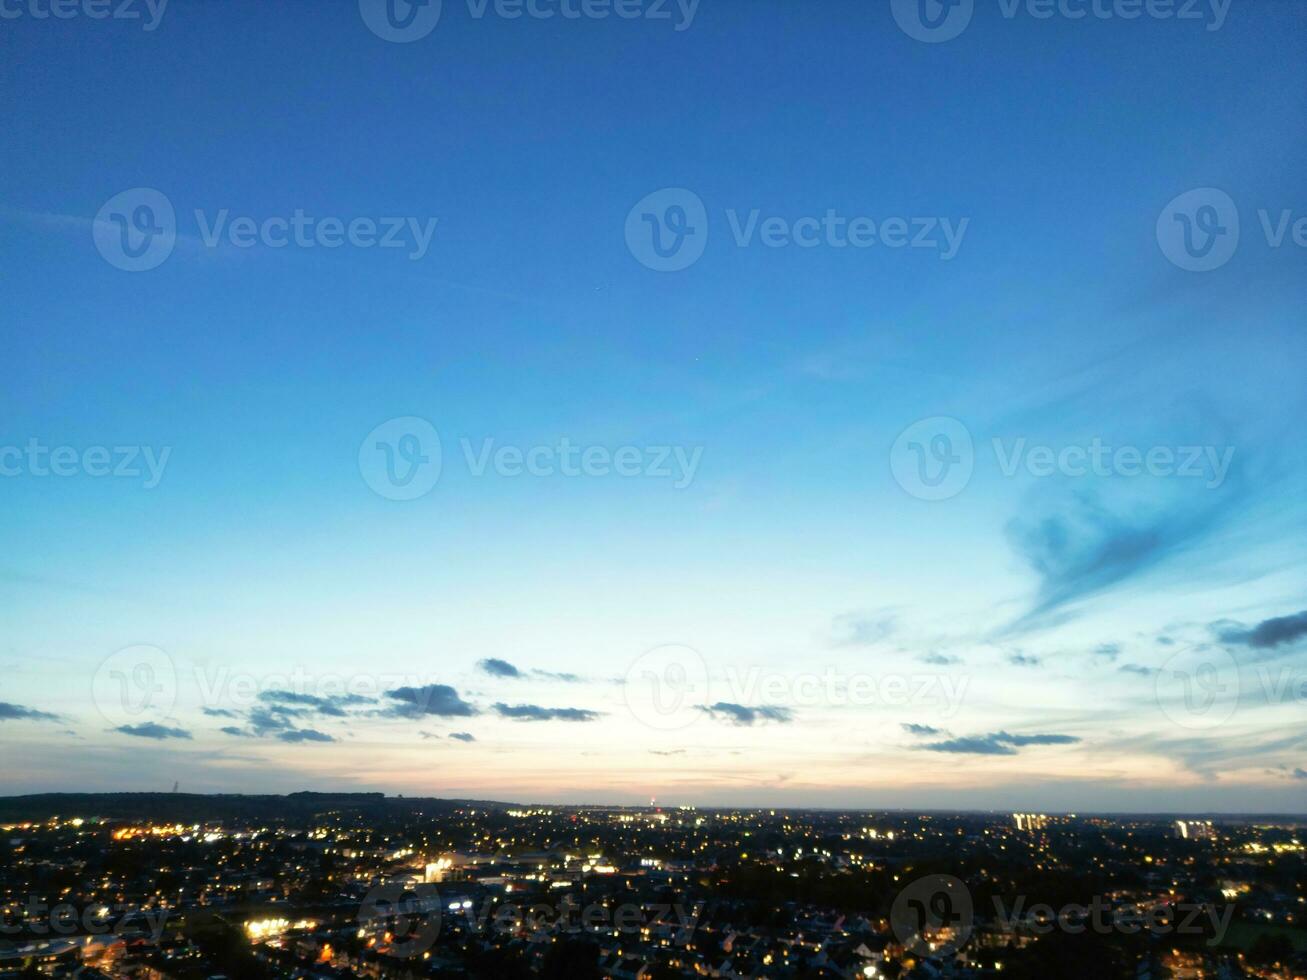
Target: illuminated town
[[361, 885]]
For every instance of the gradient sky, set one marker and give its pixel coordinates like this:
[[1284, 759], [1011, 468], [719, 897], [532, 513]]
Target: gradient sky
[[263, 560]]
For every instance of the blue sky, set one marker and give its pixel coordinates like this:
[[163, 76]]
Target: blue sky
[[265, 551]]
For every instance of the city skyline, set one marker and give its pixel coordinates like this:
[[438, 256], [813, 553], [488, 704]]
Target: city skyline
[[357, 885]]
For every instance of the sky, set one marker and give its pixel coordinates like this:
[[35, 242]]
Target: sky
[[847, 404]]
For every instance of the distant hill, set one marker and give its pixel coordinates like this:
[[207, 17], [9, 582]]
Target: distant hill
[[193, 807]]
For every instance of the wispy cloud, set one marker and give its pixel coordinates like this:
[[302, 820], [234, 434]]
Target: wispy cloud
[[502, 668], [150, 729], [743, 715], [17, 712], [305, 735], [864, 629], [439, 700], [557, 675], [936, 659], [1139, 669], [533, 712], [456, 736], [1268, 634], [1209, 756], [332, 705], [282, 714], [996, 743], [914, 729], [272, 719], [1079, 545]]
